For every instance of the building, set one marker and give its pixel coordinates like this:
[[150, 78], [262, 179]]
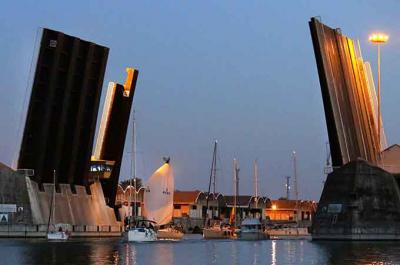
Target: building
[[283, 210], [188, 204], [246, 205], [190, 207]]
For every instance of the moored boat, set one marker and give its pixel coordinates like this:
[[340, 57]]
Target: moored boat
[[55, 232], [142, 231], [219, 231], [251, 229], [169, 233], [288, 233], [58, 235], [158, 202]]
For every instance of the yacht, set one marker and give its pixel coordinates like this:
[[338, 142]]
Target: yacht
[[169, 233], [58, 235], [143, 231], [287, 232], [251, 229], [159, 203], [219, 231]]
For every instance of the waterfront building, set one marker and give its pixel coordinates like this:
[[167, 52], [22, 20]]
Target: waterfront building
[[391, 160], [284, 210], [190, 207], [188, 204], [246, 205]]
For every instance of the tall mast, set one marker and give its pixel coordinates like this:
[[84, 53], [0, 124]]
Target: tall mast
[[212, 177], [134, 161], [236, 186], [54, 195], [214, 166], [256, 182], [296, 192]]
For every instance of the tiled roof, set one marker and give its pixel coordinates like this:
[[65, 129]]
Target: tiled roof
[[393, 146], [242, 200], [185, 196]]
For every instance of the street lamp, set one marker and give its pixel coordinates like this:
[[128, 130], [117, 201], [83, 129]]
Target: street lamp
[[378, 39]]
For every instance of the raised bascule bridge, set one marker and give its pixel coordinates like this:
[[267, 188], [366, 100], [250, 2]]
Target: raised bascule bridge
[[361, 196], [58, 139]]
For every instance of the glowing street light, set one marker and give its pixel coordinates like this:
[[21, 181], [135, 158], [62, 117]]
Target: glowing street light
[[378, 39]]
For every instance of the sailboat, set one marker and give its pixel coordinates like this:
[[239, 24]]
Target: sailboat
[[139, 230], [53, 233], [159, 201], [290, 232], [218, 230], [251, 227]]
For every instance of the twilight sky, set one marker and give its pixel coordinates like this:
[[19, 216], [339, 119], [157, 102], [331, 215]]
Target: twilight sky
[[242, 72]]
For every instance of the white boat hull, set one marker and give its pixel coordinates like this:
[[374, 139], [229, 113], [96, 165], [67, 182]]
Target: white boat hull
[[289, 233], [252, 235], [142, 235], [57, 236]]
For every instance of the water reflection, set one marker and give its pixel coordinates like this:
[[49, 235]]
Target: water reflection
[[234, 254], [198, 251], [211, 251], [273, 253], [360, 253], [256, 250]]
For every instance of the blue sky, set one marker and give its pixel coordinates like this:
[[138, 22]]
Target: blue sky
[[242, 72]]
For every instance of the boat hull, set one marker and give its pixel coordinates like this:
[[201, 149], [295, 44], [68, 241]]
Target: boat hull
[[289, 233], [57, 236], [212, 233], [169, 233], [252, 235], [142, 235]]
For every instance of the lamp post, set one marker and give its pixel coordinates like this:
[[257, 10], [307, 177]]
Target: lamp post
[[378, 39]]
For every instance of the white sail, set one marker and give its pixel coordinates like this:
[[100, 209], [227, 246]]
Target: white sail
[[159, 195]]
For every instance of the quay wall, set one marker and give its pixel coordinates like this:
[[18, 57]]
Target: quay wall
[[13, 190], [25, 231], [77, 208], [81, 213]]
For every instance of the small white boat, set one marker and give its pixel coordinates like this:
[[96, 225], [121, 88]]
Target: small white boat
[[142, 231], [141, 234], [56, 232], [251, 229], [59, 235]]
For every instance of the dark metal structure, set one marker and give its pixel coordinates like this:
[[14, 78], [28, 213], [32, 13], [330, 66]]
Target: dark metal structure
[[360, 199], [61, 119], [113, 127], [348, 99]]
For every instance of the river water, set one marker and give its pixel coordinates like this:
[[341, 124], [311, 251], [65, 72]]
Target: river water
[[194, 250]]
